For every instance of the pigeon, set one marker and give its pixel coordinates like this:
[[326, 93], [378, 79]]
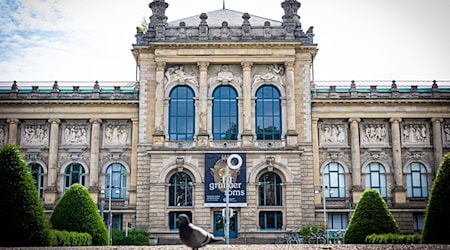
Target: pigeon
[[194, 236]]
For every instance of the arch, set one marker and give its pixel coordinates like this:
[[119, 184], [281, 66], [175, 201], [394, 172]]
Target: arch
[[258, 170], [376, 179], [234, 85], [334, 177], [258, 85], [346, 169], [427, 166], [225, 113], [43, 165], [416, 175], [108, 163], [169, 88], [387, 167], [167, 171], [62, 170], [268, 113], [181, 114]]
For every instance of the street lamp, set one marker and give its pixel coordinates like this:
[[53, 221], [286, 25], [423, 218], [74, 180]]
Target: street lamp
[[230, 164], [110, 187], [323, 188]]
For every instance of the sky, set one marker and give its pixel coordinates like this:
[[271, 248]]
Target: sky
[[88, 40]]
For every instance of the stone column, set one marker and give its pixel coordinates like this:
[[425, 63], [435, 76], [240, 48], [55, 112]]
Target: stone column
[[316, 163], [437, 142], [399, 189], [247, 133], [203, 104], [291, 136], [95, 158], [133, 175], [356, 159], [13, 126], [50, 195], [158, 136]]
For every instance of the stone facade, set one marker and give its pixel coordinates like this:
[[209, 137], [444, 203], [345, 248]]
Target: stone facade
[[304, 145]]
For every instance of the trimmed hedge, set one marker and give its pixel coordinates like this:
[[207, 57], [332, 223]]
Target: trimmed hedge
[[371, 216], [136, 237], [394, 239], [76, 211], [21, 211], [64, 238], [437, 217]]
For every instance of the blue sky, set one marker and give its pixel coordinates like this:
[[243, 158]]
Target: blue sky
[[88, 40]]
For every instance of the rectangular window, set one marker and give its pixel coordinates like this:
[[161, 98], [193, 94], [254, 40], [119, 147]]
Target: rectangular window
[[270, 220], [337, 221], [173, 219], [418, 221]]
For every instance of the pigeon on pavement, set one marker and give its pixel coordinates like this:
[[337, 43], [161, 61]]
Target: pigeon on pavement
[[194, 236]]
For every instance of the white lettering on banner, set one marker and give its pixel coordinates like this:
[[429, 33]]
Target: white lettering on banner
[[231, 185]]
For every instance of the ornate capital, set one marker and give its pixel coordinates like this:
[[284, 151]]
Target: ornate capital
[[246, 66], [54, 121], [437, 120], [354, 119], [289, 65], [203, 65], [95, 121], [13, 120], [395, 120], [160, 65]]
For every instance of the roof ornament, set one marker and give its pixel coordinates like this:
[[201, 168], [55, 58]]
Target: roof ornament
[[159, 12], [290, 16], [223, 4]]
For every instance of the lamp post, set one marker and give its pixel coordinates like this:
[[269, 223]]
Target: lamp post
[[230, 164], [323, 188], [109, 188]]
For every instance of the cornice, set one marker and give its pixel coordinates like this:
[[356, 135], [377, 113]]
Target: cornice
[[379, 101], [69, 102], [232, 44]]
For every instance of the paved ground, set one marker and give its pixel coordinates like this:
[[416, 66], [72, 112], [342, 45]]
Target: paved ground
[[257, 247]]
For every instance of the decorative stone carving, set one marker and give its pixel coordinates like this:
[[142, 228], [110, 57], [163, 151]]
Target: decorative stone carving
[[178, 75], [374, 133], [75, 133], [116, 133], [415, 133], [333, 132], [446, 134], [34, 133], [269, 144], [225, 76], [224, 144], [180, 144], [273, 74], [3, 133]]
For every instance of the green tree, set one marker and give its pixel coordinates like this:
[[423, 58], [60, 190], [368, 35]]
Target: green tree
[[437, 217], [76, 211], [21, 211], [371, 216]]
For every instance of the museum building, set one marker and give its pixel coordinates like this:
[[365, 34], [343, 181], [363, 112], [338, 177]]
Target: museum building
[[230, 83]]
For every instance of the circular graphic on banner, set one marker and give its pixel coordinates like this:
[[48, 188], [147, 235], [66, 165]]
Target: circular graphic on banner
[[230, 161]]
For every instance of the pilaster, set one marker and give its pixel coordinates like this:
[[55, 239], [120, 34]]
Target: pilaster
[[356, 158], [13, 126], [291, 135], [437, 142], [247, 134], [203, 104], [133, 174], [95, 157], [399, 190], [158, 136], [316, 163], [50, 195]]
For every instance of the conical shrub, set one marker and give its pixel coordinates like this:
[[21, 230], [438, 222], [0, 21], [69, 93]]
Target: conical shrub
[[437, 218], [76, 211], [371, 216], [22, 214]]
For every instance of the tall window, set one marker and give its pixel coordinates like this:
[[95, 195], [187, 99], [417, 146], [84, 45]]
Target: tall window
[[116, 181], [268, 113], [181, 114], [74, 174], [376, 178], [270, 220], [418, 221], [334, 179], [180, 190], [225, 113], [270, 192], [416, 180], [38, 175]]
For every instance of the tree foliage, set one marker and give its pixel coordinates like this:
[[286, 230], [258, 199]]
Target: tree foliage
[[371, 216], [437, 218], [76, 211], [21, 211]]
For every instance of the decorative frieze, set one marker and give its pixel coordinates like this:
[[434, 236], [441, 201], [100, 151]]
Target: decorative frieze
[[116, 133], [374, 133], [180, 75], [415, 133], [446, 133], [3, 133], [333, 133], [268, 74], [225, 74], [75, 133], [34, 133]]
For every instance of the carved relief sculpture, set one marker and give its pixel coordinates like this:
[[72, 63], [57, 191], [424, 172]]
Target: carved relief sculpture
[[374, 133], [415, 133], [75, 134], [332, 133], [116, 134], [35, 134], [446, 128], [3, 134], [225, 76], [178, 75], [273, 74]]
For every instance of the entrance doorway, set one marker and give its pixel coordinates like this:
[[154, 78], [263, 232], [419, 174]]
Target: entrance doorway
[[219, 225]]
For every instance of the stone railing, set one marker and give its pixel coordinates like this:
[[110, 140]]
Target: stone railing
[[380, 89], [69, 90]]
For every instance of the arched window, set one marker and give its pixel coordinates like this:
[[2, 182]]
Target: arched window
[[38, 175], [181, 114], [416, 180], [116, 181], [270, 192], [334, 179], [268, 113], [180, 190], [376, 178], [74, 174], [225, 113]]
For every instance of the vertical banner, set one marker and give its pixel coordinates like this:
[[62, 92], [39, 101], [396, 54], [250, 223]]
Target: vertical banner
[[215, 179]]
